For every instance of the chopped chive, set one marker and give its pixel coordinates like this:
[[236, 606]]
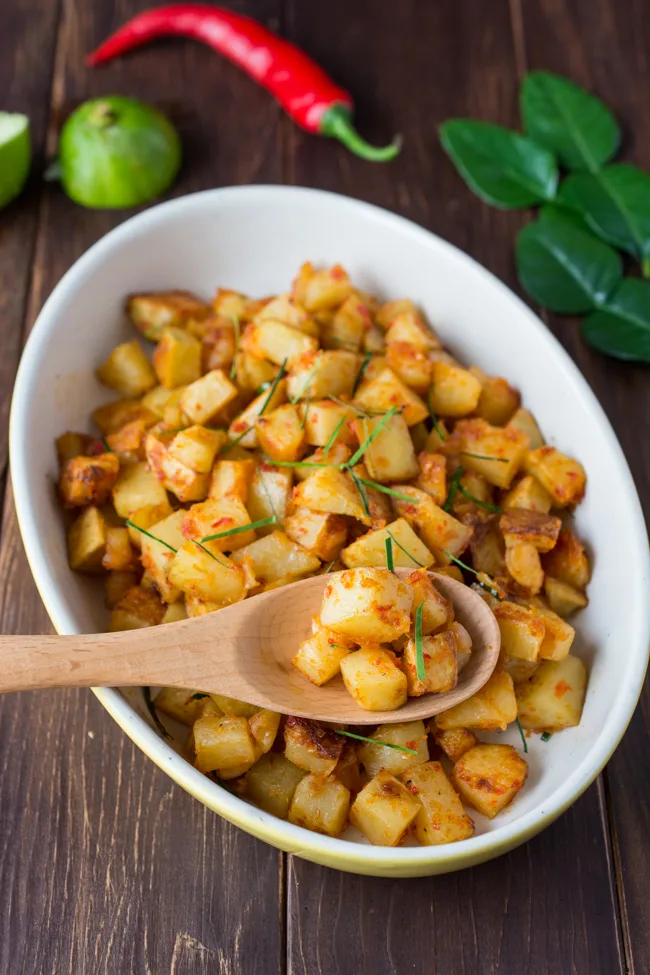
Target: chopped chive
[[142, 531], [356, 457], [274, 386], [233, 368], [376, 741], [151, 708], [501, 460], [546, 736], [295, 463], [332, 440], [523, 737], [454, 484], [307, 383], [104, 441], [464, 565], [390, 565], [419, 648], [434, 419], [362, 494], [303, 422], [224, 450], [208, 552], [482, 504], [348, 406], [338, 646], [387, 490], [241, 528], [362, 369], [262, 387], [329, 567], [262, 476], [406, 552]]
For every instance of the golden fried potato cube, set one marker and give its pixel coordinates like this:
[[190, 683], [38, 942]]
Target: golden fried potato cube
[[374, 341], [450, 570], [127, 370], [329, 489], [519, 670], [280, 433], [434, 441], [231, 705], [119, 556], [528, 493], [319, 656], [70, 445], [440, 664], [386, 390], [568, 561], [199, 607], [558, 634], [88, 480], [498, 401], [374, 679], [197, 447], [276, 341], [493, 707], [87, 541], [488, 777], [320, 804], [153, 311], [138, 487], [322, 420], [410, 735], [231, 478], [321, 533], [264, 726], [454, 391], [269, 495], [563, 598], [384, 810], [229, 303], [524, 525], [348, 771], [158, 550], [267, 401], [180, 704], [137, 608], [183, 481], [348, 325], [454, 742], [439, 530], [112, 416], [272, 782], [215, 517], [212, 578], [441, 818], [524, 421], [251, 372], [411, 365], [274, 556], [310, 746], [432, 476], [317, 375], [175, 612], [224, 742], [284, 308], [321, 290], [128, 442], [389, 456], [522, 632], [554, 696], [408, 550], [157, 398], [524, 565], [563, 477], [437, 610], [145, 517], [387, 312], [116, 585], [177, 358], [367, 604], [205, 397], [407, 325], [505, 448]]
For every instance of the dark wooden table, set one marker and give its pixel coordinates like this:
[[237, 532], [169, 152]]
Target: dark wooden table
[[107, 867]]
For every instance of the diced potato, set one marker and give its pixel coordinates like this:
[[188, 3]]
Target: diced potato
[[385, 391], [411, 365], [493, 707], [564, 478], [374, 679], [128, 442], [524, 565], [223, 743], [175, 613], [156, 400], [267, 401], [269, 495], [563, 598], [251, 372], [320, 804], [231, 705], [116, 585], [407, 325], [284, 308], [438, 529], [177, 358], [522, 632], [408, 550], [488, 550], [203, 398], [450, 570], [175, 475], [158, 552], [320, 533], [568, 561], [199, 607], [322, 420], [87, 541], [272, 782], [214, 517], [440, 664], [145, 517], [319, 656], [137, 608], [384, 810], [317, 375], [310, 746], [498, 400], [153, 311], [454, 742], [519, 670], [524, 421], [127, 370], [274, 556], [231, 478], [264, 726], [524, 525], [179, 703], [276, 341], [406, 734], [70, 445], [558, 634], [528, 493], [454, 391], [504, 446], [441, 818], [119, 556], [88, 480], [437, 610], [112, 416], [173, 417], [280, 433], [391, 309], [211, 578], [324, 289], [390, 455], [434, 441], [329, 489], [348, 326], [432, 476], [488, 777], [367, 604], [196, 447], [347, 770], [554, 696]]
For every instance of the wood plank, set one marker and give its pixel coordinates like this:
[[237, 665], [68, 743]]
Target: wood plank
[[548, 906], [106, 866], [563, 37]]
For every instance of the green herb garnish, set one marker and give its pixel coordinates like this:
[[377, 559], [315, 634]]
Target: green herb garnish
[[454, 484], [501, 460], [332, 440], [262, 387], [419, 647], [307, 383], [358, 483], [389, 553], [468, 568], [241, 528], [376, 741], [151, 708], [523, 737], [295, 463], [303, 422], [208, 552], [386, 490], [546, 736], [434, 418], [262, 477], [329, 567], [104, 442], [224, 450], [274, 386], [143, 531], [358, 454], [401, 547], [482, 504], [233, 368], [362, 368]]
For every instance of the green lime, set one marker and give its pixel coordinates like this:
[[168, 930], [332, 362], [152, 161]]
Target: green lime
[[117, 152], [15, 155]]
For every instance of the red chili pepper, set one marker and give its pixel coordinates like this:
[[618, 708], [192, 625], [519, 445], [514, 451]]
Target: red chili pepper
[[298, 83]]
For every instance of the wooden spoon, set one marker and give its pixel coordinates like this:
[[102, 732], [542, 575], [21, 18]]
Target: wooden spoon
[[242, 651]]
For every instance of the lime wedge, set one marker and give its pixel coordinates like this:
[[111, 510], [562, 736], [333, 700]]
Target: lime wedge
[[15, 155]]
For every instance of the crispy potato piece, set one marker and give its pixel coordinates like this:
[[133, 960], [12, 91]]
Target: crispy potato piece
[[266, 402], [440, 664], [384, 810], [568, 561], [319, 656], [251, 372], [223, 742], [386, 390], [389, 456], [522, 632], [330, 490], [454, 742], [269, 495], [524, 565], [505, 448], [367, 604], [127, 370], [205, 397], [177, 358], [558, 634], [488, 550], [175, 475], [411, 365], [348, 326], [454, 391], [119, 556], [524, 525], [524, 421], [493, 707], [128, 442], [275, 556], [374, 680], [197, 447], [280, 433], [137, 608], [180, 704], [70, 445], [321, 805], [264, 726], [214, 517], [321, 421], [272, 782], [437, 610], [321, 290], [347, 770], [87, 541], [276, 341], [153, 311], [407, 734], [564, 478], [145, 517], [554, 696], [563, 598], [432, 476], [370, 549], [438, 529], [488, 777], [318, 532], [157, 557], [212, 578], [317, 375], [528, 493], [441, 818], [231, 478], [88, 480], [498, 400], [310, 746], [175, 612], [405, 324], [116, 585], [113, 416]]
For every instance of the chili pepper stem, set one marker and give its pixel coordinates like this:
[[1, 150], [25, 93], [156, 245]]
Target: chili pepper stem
[[337, 124]]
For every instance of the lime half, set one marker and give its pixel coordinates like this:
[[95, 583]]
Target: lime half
[[15, 155]]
